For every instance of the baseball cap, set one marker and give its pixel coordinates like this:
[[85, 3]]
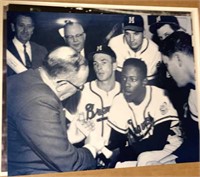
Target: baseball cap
[[162, 20], [103, 49], [134, 23]]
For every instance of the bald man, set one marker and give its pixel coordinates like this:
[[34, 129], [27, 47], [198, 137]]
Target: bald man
[[37, 138]]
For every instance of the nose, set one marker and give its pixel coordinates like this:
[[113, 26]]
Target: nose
[[126, 82], [132, 37], [75, 38], [98, 66]]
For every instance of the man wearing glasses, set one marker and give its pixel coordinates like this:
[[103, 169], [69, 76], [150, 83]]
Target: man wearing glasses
[[38, 140], [75, 37]]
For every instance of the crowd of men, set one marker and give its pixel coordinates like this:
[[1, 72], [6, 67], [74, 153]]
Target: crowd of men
[[123, 107]]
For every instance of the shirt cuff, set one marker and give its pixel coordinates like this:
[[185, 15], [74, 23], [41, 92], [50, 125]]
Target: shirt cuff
[[91, 149]]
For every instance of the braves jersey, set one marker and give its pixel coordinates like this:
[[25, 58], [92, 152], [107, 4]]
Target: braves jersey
[[148, 53], [141, 119], [95, 104]]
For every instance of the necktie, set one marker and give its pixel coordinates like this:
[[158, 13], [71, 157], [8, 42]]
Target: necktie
[[27, 58]]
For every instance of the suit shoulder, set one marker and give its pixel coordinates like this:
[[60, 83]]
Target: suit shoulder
[[40, 47]]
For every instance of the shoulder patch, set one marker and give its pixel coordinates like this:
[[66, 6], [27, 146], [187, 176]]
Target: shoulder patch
[[164, 108]]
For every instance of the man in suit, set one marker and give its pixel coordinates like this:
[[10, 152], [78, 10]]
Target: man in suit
[[75, 36], [28, 53], [39, 138]]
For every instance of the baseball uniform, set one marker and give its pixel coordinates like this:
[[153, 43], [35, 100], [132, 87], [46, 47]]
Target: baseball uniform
[[155, 110], [95, 104], [149, 53]]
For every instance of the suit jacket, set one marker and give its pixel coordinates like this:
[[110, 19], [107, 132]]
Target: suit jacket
[[37, 139], [38, 54]]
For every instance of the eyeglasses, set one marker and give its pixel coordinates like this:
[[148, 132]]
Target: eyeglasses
[[77, 36], [80, 88]]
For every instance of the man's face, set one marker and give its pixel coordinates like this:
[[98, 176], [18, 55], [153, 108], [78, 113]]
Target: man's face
[[177, 68], [164, 31], [23, 29], [75, 37], [131, 83], [73, 84], [103, 66], [134, 39]]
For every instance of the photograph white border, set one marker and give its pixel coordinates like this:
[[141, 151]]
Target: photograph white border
[[195, 36]]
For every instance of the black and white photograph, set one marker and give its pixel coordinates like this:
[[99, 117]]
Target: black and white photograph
[[98, 87]]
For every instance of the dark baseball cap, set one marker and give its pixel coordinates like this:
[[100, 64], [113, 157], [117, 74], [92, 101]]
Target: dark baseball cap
[[134, 23], [103, 49], [162, 20]]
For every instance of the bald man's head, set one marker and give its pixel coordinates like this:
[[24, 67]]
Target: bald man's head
[[63, 61]]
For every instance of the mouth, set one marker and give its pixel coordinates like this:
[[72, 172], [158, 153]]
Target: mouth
[[100, 73], [76, 45], [127, 91]]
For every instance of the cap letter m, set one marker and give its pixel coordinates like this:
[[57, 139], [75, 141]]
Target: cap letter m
[[131, 20]]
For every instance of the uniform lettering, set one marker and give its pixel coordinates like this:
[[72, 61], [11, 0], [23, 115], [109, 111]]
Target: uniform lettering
[[91, 112]]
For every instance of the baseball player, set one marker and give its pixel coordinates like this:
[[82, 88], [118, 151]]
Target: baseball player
[[145, 114], [97, 96], [133, 44], [179, 58]]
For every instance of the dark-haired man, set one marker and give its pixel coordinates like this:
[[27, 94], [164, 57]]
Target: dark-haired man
[[24, 53], [133, 44], [178, 56], [144, 114]]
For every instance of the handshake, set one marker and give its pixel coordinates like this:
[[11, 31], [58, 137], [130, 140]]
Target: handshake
[[81, 129]]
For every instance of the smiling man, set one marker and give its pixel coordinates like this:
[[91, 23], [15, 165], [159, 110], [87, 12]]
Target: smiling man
[[75, 36], [26, 52]]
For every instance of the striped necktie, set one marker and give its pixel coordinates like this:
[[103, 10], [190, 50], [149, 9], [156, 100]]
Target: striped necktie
[[27, 58]]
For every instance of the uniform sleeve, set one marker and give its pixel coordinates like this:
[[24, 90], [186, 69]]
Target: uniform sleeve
[[40, 124]]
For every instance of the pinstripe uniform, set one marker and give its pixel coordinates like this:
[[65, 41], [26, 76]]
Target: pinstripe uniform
[[95, 105], [154, 109], [149, 53]]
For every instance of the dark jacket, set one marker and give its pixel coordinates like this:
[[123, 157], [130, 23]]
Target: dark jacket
[[38, 54], [37, 139]]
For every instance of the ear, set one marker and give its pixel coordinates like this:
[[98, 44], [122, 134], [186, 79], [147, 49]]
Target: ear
[[144, 83], [60, 86], [12, 27], [84, 35], [114, 66], [178, 59]]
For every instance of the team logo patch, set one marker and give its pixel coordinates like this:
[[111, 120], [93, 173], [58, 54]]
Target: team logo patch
[[131, 20], [164, 108], [99, 48]]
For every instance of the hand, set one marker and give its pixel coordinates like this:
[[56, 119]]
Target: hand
[[97, 142], [85, 126], [79, 129], [104, 162]]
